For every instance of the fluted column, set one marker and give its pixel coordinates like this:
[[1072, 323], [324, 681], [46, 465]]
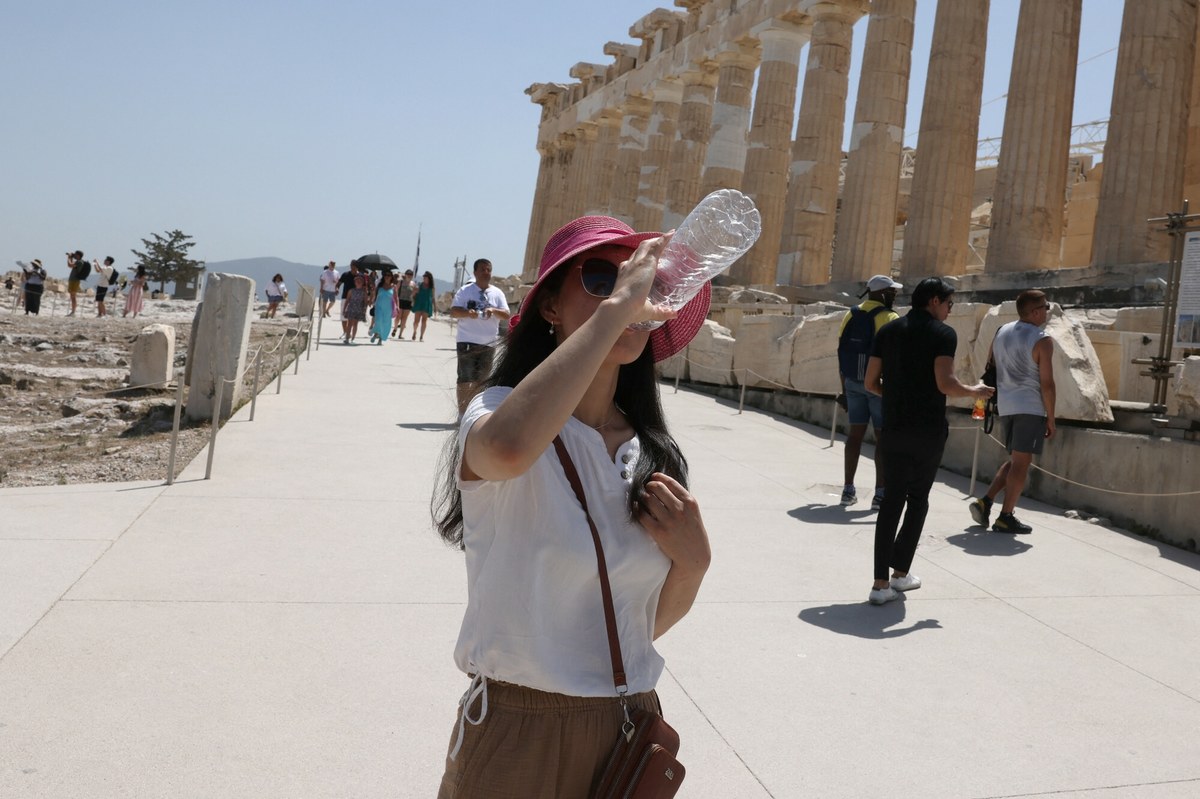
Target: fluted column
[[939, 212], [1191, 170], [634, 121], [725, 158], [537, 217], [867, 224], [688, 150], [557, 212], [1031, 177], [806, 246], [1147, 131], [598, 187], [656, 161], [769, 153]]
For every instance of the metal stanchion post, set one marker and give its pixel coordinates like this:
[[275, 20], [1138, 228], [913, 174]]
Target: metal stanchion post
[[742, 401], [296, 353], [676, 382], [833, 424], [308, 348], [320, 321], [279, 381], [257, 370], [216, 425], [175, 431], [975, 462]]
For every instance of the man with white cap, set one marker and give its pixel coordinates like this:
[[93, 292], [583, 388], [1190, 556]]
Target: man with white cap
[[855, 338]]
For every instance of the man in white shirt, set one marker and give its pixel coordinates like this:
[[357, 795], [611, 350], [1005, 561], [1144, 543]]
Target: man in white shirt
[[329, 284], [479, 308]]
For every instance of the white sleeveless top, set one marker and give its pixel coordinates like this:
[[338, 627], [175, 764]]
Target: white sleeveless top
[[534, 612], [1018, 380]]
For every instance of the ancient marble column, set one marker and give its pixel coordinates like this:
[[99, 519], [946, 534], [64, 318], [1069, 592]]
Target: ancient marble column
[[1191, 171], [1031, 176], [1147, 132], [866, 226], [556, 210], [688, 150], [656, 160], [546, 96], [939, 209], [635, 120], [575, 200], [806, 246], [598, 187], [725, 158], [770, 140]]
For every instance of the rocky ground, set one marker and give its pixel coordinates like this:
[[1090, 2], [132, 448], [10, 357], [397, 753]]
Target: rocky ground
[[67, 412]]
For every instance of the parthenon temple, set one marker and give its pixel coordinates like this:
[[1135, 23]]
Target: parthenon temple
[[707, 98]]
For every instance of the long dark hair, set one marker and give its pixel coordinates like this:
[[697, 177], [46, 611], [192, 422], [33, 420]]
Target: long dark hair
[[530, 343], [427, 280]]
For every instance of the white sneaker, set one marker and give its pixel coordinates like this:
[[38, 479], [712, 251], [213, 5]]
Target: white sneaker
[[881, 596], [909, 582]]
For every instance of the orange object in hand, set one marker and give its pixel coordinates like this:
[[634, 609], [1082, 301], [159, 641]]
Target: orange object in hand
[[977, 412]]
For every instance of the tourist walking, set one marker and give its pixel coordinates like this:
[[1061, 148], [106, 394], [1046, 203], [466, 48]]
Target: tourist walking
[[276, 292], [329, 283], [857, 334], [1025, 398], [381, 327], [540, 715], [346, 283], [107, 278], [405, 290], [355, 309], [80, 269], [912, 367], [422, 305], [133, 300], [479, 308], [34, 285]]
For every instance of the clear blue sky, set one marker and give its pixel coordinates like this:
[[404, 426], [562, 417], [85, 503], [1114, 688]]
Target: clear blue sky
[[314, 131]]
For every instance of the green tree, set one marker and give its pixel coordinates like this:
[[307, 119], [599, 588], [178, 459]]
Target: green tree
[[166, 259]]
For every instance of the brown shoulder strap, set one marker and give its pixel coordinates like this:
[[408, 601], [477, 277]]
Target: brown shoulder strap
[[610, 617]]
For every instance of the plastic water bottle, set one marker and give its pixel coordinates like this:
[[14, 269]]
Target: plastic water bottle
[[718, 231]]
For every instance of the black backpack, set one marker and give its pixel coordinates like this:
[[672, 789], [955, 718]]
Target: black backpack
[[114, 277], [854, 346]]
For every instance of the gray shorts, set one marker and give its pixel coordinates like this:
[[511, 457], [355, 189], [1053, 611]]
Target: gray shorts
[[1024, 432]]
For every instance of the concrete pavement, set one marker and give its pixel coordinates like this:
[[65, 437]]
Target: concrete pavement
[[285, 629]]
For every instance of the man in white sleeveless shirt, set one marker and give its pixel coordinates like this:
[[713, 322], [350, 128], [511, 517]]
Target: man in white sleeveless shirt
[[1025, 398]]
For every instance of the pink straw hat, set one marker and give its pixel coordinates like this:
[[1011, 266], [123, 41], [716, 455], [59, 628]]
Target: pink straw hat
[[588, 232]]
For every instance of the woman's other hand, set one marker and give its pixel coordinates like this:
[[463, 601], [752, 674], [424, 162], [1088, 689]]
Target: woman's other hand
[[671, 515]]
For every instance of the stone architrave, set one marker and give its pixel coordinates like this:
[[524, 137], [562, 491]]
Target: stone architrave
[[937, 233], [769, 152], [1078, 376], [152, 361], [762, 356], [806, 245], [218, 348], [725, 157], [866, 228], [597, 187], [688, 151], [1031, 176], [710, 355], [635, 120], [656, 161], [1147, 132]]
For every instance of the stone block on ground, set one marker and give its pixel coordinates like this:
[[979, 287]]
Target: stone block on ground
[[153, 357], [965, 319], [1116, 350], [1078, 377], [674, 367], [762, 356], [1187, 389], [710, 355], [814, 365], [218, 348], [1139, 320], [306, 298]]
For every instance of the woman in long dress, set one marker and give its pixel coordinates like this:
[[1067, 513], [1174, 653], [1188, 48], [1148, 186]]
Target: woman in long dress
[[423, 305], [133, 301], [382, 325]]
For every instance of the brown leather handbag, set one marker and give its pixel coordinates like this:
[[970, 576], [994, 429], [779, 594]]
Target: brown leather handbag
[[642, 764]]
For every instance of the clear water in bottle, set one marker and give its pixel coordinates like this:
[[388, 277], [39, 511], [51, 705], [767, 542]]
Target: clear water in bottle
[[718, 231]]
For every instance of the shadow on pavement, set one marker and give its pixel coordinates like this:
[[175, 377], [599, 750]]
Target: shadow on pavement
[[833, 514], [864, 620], [428, 427], [977, 541]]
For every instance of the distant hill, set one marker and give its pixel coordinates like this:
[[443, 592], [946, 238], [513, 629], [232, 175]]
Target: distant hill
[[261, 270]]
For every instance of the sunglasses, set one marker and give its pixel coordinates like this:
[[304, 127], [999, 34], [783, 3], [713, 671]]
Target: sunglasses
[[599, 277]]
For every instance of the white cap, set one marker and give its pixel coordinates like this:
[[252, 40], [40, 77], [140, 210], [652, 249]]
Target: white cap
[[881, 282]]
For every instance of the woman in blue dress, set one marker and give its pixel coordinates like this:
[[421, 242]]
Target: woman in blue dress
[[382, 326]]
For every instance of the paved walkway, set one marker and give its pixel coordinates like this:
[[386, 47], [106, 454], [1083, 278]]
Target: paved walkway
[[285, 629]]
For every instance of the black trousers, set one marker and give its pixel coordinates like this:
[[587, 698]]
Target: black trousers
[[910, 461], [33, 298]]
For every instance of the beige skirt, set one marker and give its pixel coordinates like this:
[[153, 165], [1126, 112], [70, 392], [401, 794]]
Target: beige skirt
[[534, 745]]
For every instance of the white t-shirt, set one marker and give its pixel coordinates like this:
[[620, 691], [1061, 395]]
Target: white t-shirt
[[534, 612], [329, 279], [479, 330], [276, 289]]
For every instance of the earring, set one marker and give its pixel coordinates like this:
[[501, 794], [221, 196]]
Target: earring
[[552, 328]]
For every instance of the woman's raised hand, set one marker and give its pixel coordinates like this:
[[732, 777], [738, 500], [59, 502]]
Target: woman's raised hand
[[634, 279]]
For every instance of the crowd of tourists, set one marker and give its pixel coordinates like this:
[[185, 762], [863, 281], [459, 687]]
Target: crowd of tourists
[[387, 299], [110, 284]]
